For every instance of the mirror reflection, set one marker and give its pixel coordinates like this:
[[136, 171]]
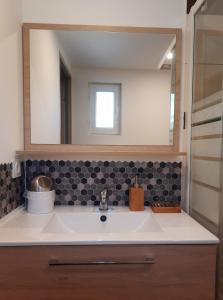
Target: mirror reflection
[[102, 88]]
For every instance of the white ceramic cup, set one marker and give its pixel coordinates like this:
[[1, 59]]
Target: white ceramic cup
[[40, 202]]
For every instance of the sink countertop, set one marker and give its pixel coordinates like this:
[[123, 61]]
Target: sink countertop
[[20, 228]]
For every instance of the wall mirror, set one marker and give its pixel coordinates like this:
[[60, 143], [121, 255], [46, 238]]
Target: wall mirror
[[97, 88]]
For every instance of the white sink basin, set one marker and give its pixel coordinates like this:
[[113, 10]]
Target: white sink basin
[[116, 222]]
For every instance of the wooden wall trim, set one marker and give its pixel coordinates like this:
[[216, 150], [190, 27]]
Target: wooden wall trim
[[218, 101], [207, 137], [208, 186], [208, 158]]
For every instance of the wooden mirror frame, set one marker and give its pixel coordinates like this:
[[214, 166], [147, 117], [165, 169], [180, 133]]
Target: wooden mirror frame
[[75, 148]]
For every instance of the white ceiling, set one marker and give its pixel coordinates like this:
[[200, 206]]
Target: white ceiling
[[115, 50]]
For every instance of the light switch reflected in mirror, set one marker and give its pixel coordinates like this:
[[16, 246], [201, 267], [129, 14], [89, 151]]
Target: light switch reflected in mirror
[[102, 88]]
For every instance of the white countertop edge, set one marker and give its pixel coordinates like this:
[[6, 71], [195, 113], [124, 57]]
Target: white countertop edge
[[101, 243]]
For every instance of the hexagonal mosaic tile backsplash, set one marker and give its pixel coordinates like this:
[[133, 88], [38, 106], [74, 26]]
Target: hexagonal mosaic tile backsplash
[[10, 190], [80, 182]]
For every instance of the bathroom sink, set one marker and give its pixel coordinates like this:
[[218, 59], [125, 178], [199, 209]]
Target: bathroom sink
[[99, 222]]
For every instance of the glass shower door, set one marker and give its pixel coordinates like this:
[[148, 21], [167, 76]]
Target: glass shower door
[[206, 198]]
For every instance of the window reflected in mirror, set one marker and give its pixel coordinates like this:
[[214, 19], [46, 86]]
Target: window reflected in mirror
[[105, 107]]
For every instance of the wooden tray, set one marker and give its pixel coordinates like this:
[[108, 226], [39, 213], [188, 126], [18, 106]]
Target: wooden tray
[[166, 209]]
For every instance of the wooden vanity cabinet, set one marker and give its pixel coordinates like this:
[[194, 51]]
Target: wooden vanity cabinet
[[108, 272]]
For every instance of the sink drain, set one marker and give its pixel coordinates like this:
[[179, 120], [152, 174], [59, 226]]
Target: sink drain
[[103, 218]]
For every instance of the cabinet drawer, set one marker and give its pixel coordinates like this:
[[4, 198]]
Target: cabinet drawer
[[167, 272]]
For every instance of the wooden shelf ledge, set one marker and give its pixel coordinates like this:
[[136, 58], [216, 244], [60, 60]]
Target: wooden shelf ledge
[[148, 153]]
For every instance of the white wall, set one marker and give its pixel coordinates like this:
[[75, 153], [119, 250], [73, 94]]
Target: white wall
[[45, 87], [159, 13], [145, 106], [11, 130]]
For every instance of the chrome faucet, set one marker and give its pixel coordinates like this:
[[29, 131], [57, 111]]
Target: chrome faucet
[[103, 201]]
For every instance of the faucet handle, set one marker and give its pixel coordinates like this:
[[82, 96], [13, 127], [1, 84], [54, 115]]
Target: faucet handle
[[103, 202], [104, 193]]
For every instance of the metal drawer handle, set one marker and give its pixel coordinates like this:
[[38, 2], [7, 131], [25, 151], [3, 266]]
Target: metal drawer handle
[[57, 262]]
